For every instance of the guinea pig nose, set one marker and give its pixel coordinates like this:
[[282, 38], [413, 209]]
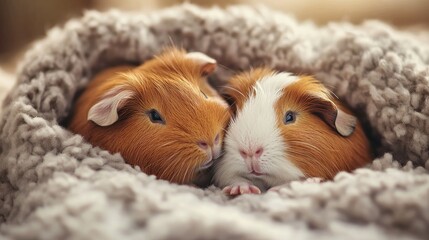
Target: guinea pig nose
[[203, 145], [259, 152], [243, 153], [252, 153]]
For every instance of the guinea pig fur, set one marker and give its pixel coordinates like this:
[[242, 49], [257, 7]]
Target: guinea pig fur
[[286, 128], [162, 116]]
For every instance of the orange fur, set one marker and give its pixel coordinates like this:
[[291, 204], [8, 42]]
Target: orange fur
[[171, 84], [312, 145], [241, 86]]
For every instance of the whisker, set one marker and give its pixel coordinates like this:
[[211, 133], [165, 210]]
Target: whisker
[[168, 143], [170, 39], [306, 144], [185, 175], [169, 165], [317, 161], [227, 68], [229, 87], [180, 170], [332, 93]]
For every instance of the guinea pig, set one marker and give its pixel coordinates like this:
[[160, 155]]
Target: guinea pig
[[162, 115], [286, 128]]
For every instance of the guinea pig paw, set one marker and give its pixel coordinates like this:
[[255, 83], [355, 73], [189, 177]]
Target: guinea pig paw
[[241, 188]]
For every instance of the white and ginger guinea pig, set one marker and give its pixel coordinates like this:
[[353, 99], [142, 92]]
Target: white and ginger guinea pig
[[162, 116], [286, 128]]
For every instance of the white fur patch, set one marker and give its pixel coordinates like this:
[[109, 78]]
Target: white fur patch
[[256, 125]]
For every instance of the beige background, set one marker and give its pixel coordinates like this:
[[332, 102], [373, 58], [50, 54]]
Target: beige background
[[23, 21]]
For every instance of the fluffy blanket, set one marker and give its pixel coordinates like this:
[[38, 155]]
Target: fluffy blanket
[[6, 82], [54, 185]]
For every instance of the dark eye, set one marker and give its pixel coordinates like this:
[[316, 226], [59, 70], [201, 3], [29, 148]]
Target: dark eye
[[155, 117], [289, 117], [204, 94]]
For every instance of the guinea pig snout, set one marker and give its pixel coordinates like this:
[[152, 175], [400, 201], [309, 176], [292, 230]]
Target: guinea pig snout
[[212, 150], [252, 157]]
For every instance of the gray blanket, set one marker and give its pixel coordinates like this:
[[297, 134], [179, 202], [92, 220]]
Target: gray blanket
[[54, 185]]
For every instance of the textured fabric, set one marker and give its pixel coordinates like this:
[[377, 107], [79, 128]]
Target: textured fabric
[[6, 82], [54, 185]]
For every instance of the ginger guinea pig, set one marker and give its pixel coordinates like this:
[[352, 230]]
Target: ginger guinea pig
[[286, 128], [162, 116]]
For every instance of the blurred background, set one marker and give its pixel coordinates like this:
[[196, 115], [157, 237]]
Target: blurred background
[[23, 21]]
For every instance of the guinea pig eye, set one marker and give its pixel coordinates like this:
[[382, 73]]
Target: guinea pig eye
[[155, 117], [289, 117]]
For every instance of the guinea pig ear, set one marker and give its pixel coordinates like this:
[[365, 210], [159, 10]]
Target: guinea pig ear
[[105, 111], [207, 64], [341, 121]]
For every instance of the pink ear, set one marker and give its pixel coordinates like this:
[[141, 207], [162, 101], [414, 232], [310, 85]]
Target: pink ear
[[345, 123], [207, 64], [105, 111]]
